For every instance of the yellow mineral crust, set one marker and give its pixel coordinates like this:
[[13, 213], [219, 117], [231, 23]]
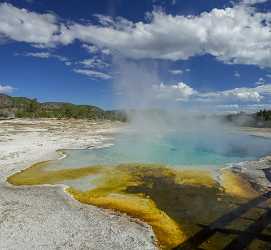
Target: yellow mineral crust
[[110, 193], [236, 185], [138, 190], [195, 177], [38, 175], [167, 231]]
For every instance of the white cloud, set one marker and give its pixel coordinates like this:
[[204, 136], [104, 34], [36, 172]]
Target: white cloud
[[6, 89], [106, 51], [243, 95], [252, 2], [68, 63], [184, 92], [233, 95], [94, 63], [258, 106], [178, 92], [104, 20], [260, 81], [238, 35], [264, 89], [24, 26], [176, 72], [90, 48], [230, 108], [95, 50], [39, 54], [46, 55], [237, 74], [235, 35], [93, 74]]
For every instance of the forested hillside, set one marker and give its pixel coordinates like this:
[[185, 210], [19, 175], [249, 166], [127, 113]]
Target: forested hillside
[[22, 107]]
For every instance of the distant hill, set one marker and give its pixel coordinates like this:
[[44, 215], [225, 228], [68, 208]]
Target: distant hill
[[5, 101], [22, 107]]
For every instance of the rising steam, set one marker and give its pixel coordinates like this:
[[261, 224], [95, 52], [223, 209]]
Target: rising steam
[[152, 116]]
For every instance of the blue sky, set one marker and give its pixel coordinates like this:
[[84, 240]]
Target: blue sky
[[193, 52]]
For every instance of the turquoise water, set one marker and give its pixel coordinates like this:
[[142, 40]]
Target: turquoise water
[[175, 149]]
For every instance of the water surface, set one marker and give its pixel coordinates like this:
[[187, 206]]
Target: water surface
[[174, 149]]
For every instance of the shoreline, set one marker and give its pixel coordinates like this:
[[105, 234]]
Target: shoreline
[[254, 170]]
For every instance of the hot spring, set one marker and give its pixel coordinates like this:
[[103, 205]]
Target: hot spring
[[171, 179], [173, 149]]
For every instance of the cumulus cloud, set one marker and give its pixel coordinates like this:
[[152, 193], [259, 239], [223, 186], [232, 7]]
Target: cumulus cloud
[[95, 50], [179, 91], [93, 74], [94, 63], [244, 95], [252, 2], [238, 35], [235, 35], [184, 92], [24, 26], [90, 48], [238, 94], [6, 89]]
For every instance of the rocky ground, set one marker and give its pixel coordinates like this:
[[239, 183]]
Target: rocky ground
[[262, 132], [46, 217], [258, 172]]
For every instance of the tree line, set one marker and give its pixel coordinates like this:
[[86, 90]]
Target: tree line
[[30, 108], [261, 118]]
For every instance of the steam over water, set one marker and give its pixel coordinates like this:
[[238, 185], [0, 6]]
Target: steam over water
[[166, 130], [173, 148]]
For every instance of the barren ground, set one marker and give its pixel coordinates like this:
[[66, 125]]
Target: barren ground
[[46, 217]]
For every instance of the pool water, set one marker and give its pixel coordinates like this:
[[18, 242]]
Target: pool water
[[175, 149]]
